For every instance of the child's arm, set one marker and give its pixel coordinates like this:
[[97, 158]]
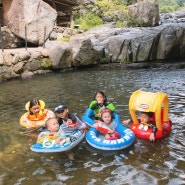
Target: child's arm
[[152, 137], [40, 136], [102, 128], [154, 130], [61, 136], [112, 127], [95, 125], [126, 122], [111, 107], [38, 139], [93, 105]]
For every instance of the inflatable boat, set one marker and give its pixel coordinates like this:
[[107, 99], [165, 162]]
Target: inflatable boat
[[93, 135], [48, 144], [157, 103]]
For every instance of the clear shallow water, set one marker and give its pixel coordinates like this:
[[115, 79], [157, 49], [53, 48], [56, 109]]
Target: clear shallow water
[[161, 162]]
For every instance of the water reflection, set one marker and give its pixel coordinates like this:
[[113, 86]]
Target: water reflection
[[161, 162]]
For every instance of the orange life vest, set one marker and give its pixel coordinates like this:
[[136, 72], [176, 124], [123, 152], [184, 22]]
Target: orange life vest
[[38, 117]]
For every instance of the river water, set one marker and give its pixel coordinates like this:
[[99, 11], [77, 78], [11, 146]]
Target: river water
[[158, 163]]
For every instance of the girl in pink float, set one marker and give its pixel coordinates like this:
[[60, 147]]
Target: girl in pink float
[[107, 125]]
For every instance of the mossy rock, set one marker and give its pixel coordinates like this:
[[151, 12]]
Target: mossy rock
[[45, 63]]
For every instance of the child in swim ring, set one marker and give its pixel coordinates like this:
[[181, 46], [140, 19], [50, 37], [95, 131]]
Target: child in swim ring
[[107, 125], [145, 121], [99, 103], [36, 115], [67, 119], [53, 128]]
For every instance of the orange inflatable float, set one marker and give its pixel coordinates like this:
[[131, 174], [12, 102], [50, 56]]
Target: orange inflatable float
[[35, 121], [150, 102]]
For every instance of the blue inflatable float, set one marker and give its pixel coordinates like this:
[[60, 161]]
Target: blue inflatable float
[[70, 141], [92, 137]]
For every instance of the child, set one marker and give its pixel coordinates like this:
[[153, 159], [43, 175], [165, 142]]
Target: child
[[145, 117], [99, 103], [108, 124], [53, 128], [67, 119], [36, 115]]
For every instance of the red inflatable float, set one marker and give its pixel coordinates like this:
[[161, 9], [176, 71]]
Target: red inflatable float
[[150, 102]]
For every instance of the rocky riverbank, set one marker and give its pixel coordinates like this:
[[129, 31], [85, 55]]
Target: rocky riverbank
[[126, 47]]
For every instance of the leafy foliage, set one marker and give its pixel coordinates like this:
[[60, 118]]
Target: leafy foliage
[[169, 5], [116, 11], [89, 21]]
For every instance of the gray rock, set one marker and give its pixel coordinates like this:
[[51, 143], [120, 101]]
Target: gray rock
[[15, 59], [24, 55], [27, 74], [146, 12], [18, 67], [31, 20], [6, 73], [60, 54]]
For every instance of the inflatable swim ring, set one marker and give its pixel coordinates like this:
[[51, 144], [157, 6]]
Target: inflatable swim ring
[[47, 145], [150, 102], [92, 137], [32, 121]]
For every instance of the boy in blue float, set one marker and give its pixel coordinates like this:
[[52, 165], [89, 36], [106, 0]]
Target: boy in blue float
[[99, 103], [67, 120]]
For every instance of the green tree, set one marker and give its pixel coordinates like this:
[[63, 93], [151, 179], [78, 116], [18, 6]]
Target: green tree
[[89, 21]]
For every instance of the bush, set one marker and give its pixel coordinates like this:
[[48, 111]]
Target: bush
[[64, 39], [89, 21], [166, 9]]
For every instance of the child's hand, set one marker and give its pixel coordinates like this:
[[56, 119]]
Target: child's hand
[[95, 125], [126, 122], [110, 132], [57, 140], [69, 121], [152, 137]]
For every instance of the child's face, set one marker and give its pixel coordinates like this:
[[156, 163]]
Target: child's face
[[100, 98], [106, 117], [144, 118], [35, 109], [62, 114], [53, 126]]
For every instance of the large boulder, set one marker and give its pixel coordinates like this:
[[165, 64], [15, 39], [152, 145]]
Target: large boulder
[[146, 12], [31, 20], [8, 39], [147, 44], [127, 45], [6, 73], [88, 47], [60, 54]]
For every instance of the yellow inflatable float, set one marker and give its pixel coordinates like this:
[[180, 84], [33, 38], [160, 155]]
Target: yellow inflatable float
[[150, 102], [37, 120]]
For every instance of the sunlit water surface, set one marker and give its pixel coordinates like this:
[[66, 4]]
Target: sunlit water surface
[[161, 162]]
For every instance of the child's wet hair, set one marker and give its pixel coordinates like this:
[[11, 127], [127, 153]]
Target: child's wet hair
[[149, 114], [34, 102], [102, 93], [107, 110]]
